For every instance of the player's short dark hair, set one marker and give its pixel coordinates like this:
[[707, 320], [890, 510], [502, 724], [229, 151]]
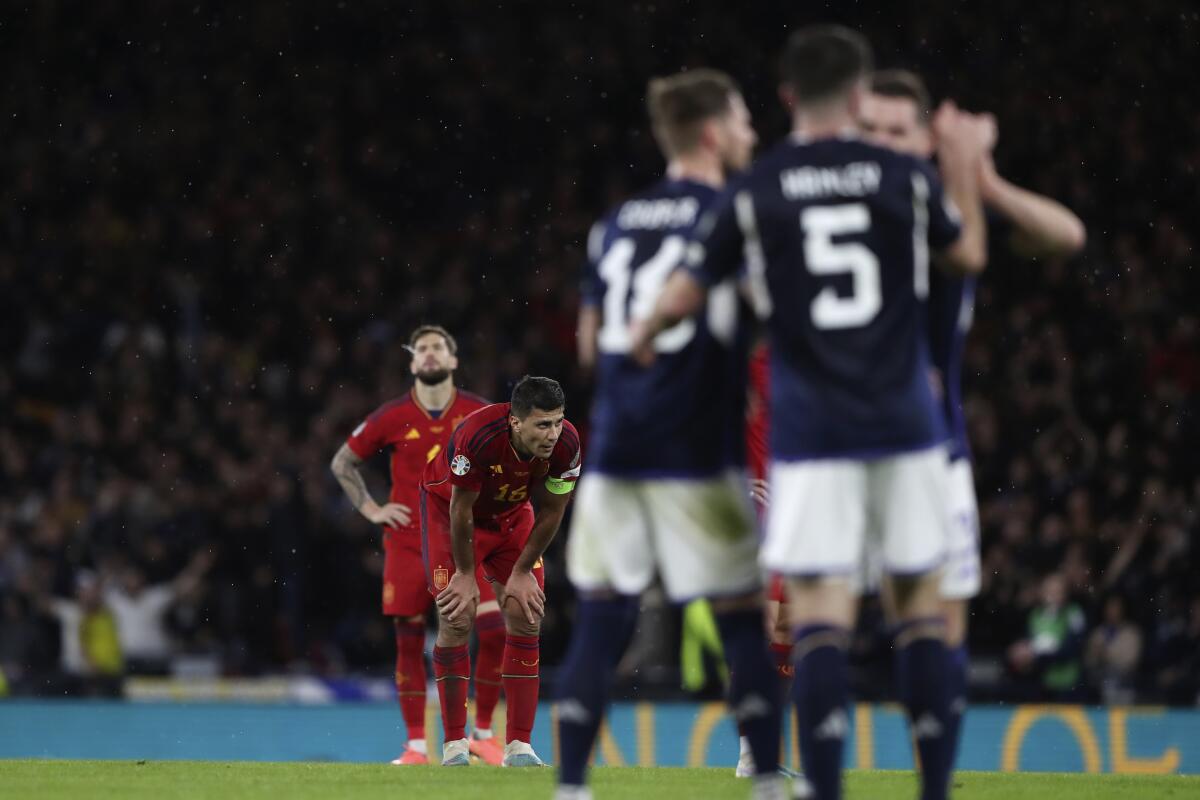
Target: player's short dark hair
[[822, 62], [679, 105], [906, 84], [423, 330], [532, 392]]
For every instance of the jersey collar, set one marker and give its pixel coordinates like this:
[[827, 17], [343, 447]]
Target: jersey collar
[[844, 135], [417, 402]]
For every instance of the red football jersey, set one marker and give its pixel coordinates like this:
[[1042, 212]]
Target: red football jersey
[[758, 413], [481, 458], [415, 436]]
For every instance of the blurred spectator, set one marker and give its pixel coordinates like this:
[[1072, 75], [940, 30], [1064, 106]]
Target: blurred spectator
[[1179, 643], [140, 612], [90, 653], [1052, 653], [1113, 653]]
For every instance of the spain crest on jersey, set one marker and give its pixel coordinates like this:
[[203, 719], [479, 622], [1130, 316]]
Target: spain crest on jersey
[[441, 578]]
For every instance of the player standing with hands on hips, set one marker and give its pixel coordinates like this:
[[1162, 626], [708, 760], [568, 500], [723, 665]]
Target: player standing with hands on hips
[[415, 428]]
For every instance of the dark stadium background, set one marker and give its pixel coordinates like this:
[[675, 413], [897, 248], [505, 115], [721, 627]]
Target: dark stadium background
[[218, 222]]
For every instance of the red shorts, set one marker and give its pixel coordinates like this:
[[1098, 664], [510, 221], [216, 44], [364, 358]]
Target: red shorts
[[405, 592], [496, 549]]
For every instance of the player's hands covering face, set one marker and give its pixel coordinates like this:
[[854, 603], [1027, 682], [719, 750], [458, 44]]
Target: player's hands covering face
[[460, 597], [523, 589]]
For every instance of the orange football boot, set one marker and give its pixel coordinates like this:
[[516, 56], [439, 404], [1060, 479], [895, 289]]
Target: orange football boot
[[487, 750], [410, 757]]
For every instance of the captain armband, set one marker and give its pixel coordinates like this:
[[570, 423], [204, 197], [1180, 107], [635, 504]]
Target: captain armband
[[559, 486]]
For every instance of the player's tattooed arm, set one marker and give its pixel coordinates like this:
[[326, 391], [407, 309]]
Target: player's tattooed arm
[[346, 467]]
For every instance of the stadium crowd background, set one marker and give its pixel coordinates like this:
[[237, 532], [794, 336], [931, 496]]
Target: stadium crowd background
[[219, 225]]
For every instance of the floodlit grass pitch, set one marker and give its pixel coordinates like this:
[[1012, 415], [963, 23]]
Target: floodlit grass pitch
[[72, 780]]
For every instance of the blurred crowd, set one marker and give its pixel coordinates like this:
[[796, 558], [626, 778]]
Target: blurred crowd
[[219, 223]]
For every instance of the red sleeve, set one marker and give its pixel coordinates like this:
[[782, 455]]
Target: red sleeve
[[466, 465], [566, 460], [758, 414], [372, 434]]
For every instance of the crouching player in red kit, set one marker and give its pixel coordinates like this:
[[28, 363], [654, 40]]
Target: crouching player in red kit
[[415, 428], [476, 510]]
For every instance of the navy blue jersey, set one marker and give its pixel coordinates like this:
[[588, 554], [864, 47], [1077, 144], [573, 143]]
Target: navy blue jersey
[[682, 417], [951, 309], [836, 235], [951, 312]]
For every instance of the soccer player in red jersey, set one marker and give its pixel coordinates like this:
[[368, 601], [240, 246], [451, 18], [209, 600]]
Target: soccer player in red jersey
[[758, 422], [476, 511], [415, 428]]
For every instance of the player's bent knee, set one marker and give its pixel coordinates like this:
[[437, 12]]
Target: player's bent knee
[[516, 623], [457, 628]]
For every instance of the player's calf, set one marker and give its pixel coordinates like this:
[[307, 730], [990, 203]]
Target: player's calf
[[520, 673], [603, 627], [923, 680], [753, 688], [452, 671]]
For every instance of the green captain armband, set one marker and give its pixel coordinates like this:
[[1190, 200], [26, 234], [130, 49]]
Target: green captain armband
[[559, 486]]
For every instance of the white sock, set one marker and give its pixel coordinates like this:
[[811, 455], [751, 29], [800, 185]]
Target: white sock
[[418, 746], [483, 734], [743, 745]]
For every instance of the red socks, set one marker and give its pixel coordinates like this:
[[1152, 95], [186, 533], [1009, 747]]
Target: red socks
[[410, 675], [452, 669], [521, 657], [490, 629]]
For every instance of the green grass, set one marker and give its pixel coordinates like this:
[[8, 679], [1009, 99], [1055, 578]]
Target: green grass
[[76, 780]]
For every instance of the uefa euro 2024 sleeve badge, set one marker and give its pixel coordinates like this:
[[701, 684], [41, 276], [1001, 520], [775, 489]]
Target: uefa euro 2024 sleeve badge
[[460, 465]]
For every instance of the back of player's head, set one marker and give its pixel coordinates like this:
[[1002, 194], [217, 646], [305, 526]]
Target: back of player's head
[[532, 392], [820, 63], [680, 104], [425, 330], [904, 84]]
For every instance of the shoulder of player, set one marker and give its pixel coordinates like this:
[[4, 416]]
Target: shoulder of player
[[900, 163], [481, 427], [394, 408], [471, 401], [665, 190], [569, 439]]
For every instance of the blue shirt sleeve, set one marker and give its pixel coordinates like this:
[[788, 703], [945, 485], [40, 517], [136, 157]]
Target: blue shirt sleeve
[[715, 250], [591, 287], [945, 221]]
